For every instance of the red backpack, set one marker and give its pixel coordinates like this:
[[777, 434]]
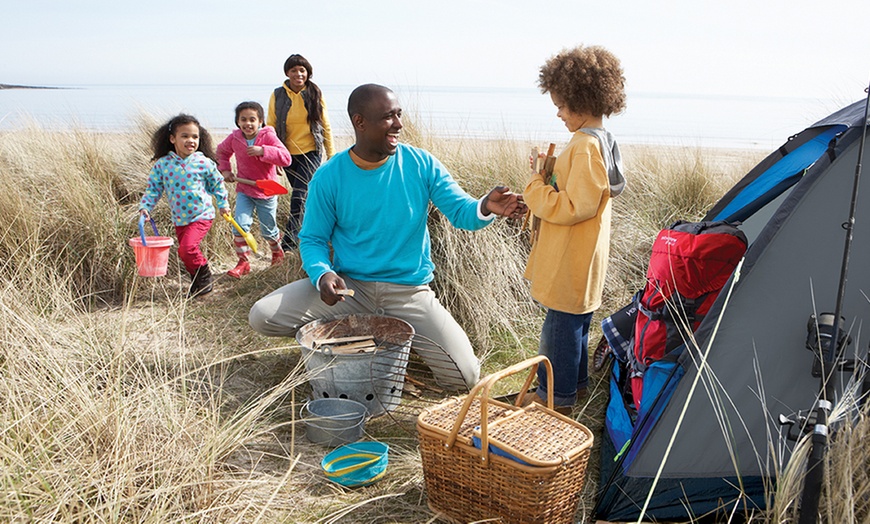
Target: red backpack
[[690, 263]]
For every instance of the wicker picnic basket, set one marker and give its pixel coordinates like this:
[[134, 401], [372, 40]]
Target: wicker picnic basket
[[467, 482]]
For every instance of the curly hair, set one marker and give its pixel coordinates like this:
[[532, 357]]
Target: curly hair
[[588, 79], [161, 145]]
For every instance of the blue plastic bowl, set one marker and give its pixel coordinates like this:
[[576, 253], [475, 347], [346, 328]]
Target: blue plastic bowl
[[357, 464]]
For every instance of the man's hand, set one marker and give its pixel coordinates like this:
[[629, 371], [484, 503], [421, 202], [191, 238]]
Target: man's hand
[[330, 283], [502, 201]]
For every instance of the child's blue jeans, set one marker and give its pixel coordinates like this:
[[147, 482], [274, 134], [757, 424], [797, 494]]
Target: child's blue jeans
[[266, 209], [565, 341]]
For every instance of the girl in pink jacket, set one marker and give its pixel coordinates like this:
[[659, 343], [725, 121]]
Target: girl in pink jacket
[[258, 151]]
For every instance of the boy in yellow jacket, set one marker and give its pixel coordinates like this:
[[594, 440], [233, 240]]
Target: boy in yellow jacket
[[568, 260]]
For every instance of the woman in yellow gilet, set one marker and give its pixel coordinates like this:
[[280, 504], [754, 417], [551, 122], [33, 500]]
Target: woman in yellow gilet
[[297, 111]]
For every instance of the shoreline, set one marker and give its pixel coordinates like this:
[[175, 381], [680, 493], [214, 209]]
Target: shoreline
[[344, 140], [459, 113], [17, 86], [727, 154]]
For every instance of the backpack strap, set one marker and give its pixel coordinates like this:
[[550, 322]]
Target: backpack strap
[[652, 314], [677, 310]]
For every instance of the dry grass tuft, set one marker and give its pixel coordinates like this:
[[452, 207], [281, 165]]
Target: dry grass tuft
[[118, 415]]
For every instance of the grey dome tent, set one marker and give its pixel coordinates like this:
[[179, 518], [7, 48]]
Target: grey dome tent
[[731, 442]]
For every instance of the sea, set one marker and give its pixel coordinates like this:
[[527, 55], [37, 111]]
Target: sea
[[673, 119]]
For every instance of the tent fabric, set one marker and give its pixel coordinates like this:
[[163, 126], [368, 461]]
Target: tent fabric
[[659, 383], [712, 497], [764, 166], [619, 423], [796, 201], [662, 379], [778, 178]]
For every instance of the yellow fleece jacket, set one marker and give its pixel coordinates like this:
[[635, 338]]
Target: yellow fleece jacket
[[299, 138], [568, 262]]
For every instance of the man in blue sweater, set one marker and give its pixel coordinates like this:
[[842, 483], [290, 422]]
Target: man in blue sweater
[[370, 204]]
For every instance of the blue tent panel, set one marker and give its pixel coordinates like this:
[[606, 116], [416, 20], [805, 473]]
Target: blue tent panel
[[659, 382], [617, 421], [778, 177]]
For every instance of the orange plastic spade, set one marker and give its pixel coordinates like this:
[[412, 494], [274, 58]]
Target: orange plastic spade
[[269, 187]]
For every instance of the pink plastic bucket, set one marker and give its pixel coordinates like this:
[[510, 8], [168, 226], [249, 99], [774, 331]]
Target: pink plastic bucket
[[152, 259]]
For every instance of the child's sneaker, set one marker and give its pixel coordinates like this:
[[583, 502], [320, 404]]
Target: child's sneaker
[[277, 257], [242, 268]]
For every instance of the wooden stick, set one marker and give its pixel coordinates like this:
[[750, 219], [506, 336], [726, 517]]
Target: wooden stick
[[547, 174], [342, 340], [346, 292], [412, 380], [551, 150], [548, 168], [353, 349], [292, 420], [368, 344], [422, 385], [536, 158]]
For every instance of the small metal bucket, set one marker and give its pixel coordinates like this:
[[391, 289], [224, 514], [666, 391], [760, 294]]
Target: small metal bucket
[[333, 421]]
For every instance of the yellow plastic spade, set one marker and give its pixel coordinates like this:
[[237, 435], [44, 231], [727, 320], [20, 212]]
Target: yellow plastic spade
[[249, 238]]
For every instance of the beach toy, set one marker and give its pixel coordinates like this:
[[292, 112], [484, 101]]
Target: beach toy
[[333, 421], [249, 238], [357, 464], [269, 187], [152, 253]]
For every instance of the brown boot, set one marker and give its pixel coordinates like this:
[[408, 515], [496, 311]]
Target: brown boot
[[201, 283], [533, 398]]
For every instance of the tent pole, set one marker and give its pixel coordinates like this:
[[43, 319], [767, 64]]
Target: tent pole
[[809, 508]]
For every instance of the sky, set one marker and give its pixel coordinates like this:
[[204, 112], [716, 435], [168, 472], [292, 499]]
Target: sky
[[738, 48]]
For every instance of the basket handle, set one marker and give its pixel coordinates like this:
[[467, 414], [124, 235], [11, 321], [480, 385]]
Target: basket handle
[[142, 228], [370, 458], [483, 388]]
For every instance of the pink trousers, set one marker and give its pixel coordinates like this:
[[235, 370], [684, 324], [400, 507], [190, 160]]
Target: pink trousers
[[189, 238]]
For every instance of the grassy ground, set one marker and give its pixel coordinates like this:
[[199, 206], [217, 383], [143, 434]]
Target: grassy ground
[[121, 401]]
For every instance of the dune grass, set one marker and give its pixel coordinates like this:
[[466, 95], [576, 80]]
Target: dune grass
[[121, 401]]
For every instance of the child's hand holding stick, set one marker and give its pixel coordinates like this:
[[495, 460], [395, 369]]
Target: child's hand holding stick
[[545, 168]]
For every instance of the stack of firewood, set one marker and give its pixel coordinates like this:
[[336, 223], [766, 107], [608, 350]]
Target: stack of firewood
[[347, 345]]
